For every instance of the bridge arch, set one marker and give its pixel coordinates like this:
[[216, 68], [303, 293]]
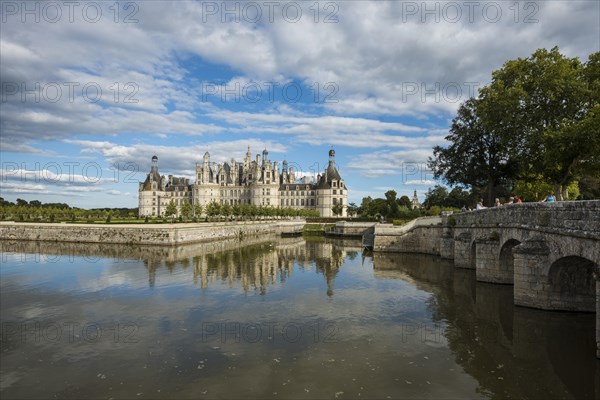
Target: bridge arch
[[506, 260], [572, 284]]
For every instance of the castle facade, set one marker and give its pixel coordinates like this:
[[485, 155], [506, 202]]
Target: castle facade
[[257, 181]]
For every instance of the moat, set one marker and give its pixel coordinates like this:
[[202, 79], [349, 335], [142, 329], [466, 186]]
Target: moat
[[275, 318]]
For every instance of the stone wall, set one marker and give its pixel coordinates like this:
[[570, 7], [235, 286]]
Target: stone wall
[[422, 235], [345, 228], [155, 234]]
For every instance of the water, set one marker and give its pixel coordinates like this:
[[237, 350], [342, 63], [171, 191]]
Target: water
[[275, 318]]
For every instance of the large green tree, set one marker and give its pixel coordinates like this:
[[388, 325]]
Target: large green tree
[[537, 119], [478, 155], [545, 106]]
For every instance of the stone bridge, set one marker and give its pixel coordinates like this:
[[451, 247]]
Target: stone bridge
[[550, 252]]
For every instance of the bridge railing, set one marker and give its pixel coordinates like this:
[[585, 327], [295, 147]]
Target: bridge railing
[[570, 215]]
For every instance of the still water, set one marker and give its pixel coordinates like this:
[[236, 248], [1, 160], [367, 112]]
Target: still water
[[275, 318]]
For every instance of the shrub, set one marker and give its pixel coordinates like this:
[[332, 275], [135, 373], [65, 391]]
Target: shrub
[[434, 210]]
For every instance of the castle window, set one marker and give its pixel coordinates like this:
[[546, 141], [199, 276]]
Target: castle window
[[312, 192], [303, 193], [281, 201], [334, 191], [312, 202], [334, 201], [341, 192], [153, 193], [334, 184], [302, 201]]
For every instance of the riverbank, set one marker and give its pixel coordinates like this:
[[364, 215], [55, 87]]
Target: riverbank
[[151, 234]]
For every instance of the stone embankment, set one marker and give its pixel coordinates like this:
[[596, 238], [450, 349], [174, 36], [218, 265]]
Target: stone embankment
[[150, 234]]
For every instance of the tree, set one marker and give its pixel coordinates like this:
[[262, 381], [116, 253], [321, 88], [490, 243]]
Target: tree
[[365, 205], [404, 201], [392, 204], [352, 209], [436, 197], [337, 209], [378, 207], [478, 156], [226, 210], [186, 209], [541, 103], [171, 210], [459, 198], [537, 120], [213, 208], [197, 209]]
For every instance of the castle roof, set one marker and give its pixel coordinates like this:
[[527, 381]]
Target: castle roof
[[330, 175]]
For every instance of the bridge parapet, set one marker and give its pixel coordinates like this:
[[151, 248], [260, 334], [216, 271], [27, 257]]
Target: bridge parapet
[[582, 216]]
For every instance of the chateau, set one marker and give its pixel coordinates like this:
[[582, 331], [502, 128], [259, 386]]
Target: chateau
[[256, 181]]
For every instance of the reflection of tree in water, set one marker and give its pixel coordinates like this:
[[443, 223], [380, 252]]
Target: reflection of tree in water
[[513, 352]]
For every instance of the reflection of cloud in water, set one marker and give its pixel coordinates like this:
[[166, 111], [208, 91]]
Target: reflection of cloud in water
[[392, 325]]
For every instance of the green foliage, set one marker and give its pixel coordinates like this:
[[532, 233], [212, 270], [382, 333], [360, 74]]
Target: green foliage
[[434, 210], [536, 121], [213, 208], [404, 201], [171, 209], [352, 209], [337, 209], [197, 209], [186, 209]]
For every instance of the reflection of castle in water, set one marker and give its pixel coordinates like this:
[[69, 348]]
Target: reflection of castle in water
[[255, 263], [259, 266]]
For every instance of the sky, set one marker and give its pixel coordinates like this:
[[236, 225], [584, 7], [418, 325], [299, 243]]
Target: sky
[[90, 91]]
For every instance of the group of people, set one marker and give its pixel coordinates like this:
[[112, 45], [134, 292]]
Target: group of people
[[551, 198]]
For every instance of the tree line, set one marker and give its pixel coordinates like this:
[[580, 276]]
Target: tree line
[[213, 209], [535, 128], [35, 210]]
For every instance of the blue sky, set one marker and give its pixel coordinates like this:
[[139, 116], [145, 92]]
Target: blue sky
[[90, 93]]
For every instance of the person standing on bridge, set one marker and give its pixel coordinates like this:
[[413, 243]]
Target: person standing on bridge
[[480, 205], [550, 198]]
